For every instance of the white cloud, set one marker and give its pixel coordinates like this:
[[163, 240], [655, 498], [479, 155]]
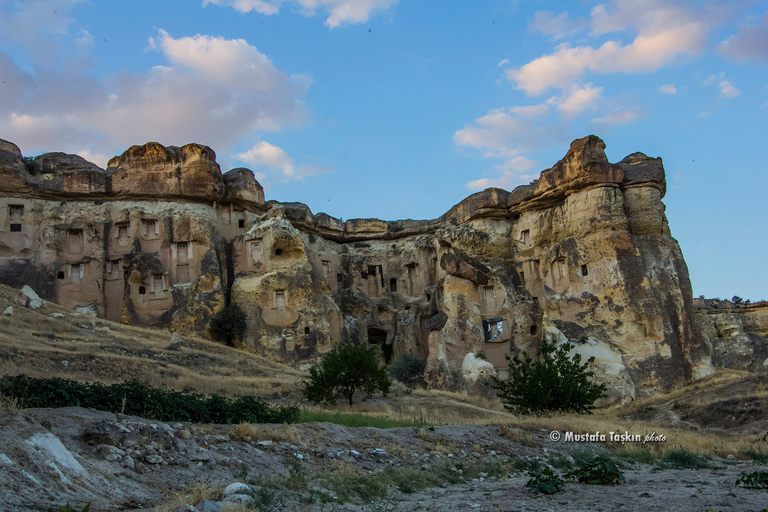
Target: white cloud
[[727, 90], [664, 32], [704, 114], [749, 42], [340, 12], [619, 116], [213, 91], [503, 133], [579, 99], [502, 63], [556, 25], [668, 89], [273, 163]]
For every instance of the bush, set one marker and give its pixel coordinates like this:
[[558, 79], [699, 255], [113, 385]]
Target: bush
[[680, 458], [345, 369], [408, 368], [134, 398], [556, 383], [228, 325], [754, 480], [545, 481], [600, 471]]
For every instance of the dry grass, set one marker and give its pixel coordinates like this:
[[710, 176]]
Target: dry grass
[[193, 494], [274, 433], [34, 343]]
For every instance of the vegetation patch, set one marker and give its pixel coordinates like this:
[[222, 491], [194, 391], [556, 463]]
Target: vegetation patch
[[134, 398], [356, 420], [754, 480], [600, 471], [544, 481], [558, 382], [681, 458]]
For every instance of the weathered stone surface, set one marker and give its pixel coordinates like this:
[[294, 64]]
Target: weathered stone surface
[[454, 265], [27, 297], [585, 250], [153, 170], [736, 333]]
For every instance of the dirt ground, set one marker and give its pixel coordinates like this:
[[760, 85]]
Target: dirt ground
[[54, 456]]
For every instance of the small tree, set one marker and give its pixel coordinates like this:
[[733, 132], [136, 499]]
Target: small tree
[[345, 369], [555, 383], [228, 324]]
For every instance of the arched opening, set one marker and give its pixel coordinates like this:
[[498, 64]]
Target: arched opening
[[379, 337]]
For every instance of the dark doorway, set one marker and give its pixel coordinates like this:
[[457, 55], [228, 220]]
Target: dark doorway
[[379, 337]]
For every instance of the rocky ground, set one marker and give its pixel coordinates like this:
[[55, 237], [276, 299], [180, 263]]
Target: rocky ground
[[54, 456]]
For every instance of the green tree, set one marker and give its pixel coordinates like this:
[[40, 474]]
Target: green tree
[[345, 369], [557, 382], [228, 324]]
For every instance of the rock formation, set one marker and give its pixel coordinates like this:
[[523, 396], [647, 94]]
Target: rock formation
[[162, 238]]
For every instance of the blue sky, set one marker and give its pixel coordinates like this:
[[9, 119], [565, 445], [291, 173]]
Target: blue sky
[[401, 108]]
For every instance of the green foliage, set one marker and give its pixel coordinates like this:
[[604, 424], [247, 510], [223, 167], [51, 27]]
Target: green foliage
[[681, 458], [357, 420], [408, 368], [134, 398], [600, 471], [642, 455], [228, 324], [754, 480], [555, 383], [345, 369], [759, 456], [737, 300], [67, 508], [544, 481]]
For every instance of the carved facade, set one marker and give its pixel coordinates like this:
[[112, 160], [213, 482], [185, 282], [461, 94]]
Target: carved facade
[[163, 238]]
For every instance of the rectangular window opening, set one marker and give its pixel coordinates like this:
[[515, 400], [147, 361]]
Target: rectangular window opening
[[393, 285], [142, 290], [525, 236], [371, 270], [326, 268], [241, 223], [280, 299], [306, 330], [584, 270], [15, 228]]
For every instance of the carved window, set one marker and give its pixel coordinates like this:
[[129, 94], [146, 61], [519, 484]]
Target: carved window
[[241, 223], [76, 272], [114, 268], [158, 284], [142, 290], [122, 233], [150, 228], [525, 236], [522, 276], [493, 328], [584, 270], [15, 212], [393, 285], [326, 268], [183, 251], [489, 296], [75, 241], [256, 251], [280, 299]]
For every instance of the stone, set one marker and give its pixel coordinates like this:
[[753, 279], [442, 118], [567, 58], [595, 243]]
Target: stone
[[8, 311], [236, 488], [154, 459], [454, 265], [57, 315], [475, 369], [29, 298]]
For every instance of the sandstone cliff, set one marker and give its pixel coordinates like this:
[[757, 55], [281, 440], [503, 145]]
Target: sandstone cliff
[[161, 237]]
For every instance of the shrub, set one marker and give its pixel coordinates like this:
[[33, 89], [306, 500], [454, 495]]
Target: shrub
[[555, 383], [754, 480], [681, 458], [600, 471], [134, 398], [345, 369], [545, 481], [228, 325], [408, 368]]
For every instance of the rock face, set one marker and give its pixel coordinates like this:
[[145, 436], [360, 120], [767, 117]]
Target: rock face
[[163, 238], [736, 334]]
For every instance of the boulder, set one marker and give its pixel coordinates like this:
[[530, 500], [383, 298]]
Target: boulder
[[242, 188], [29, 298]]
